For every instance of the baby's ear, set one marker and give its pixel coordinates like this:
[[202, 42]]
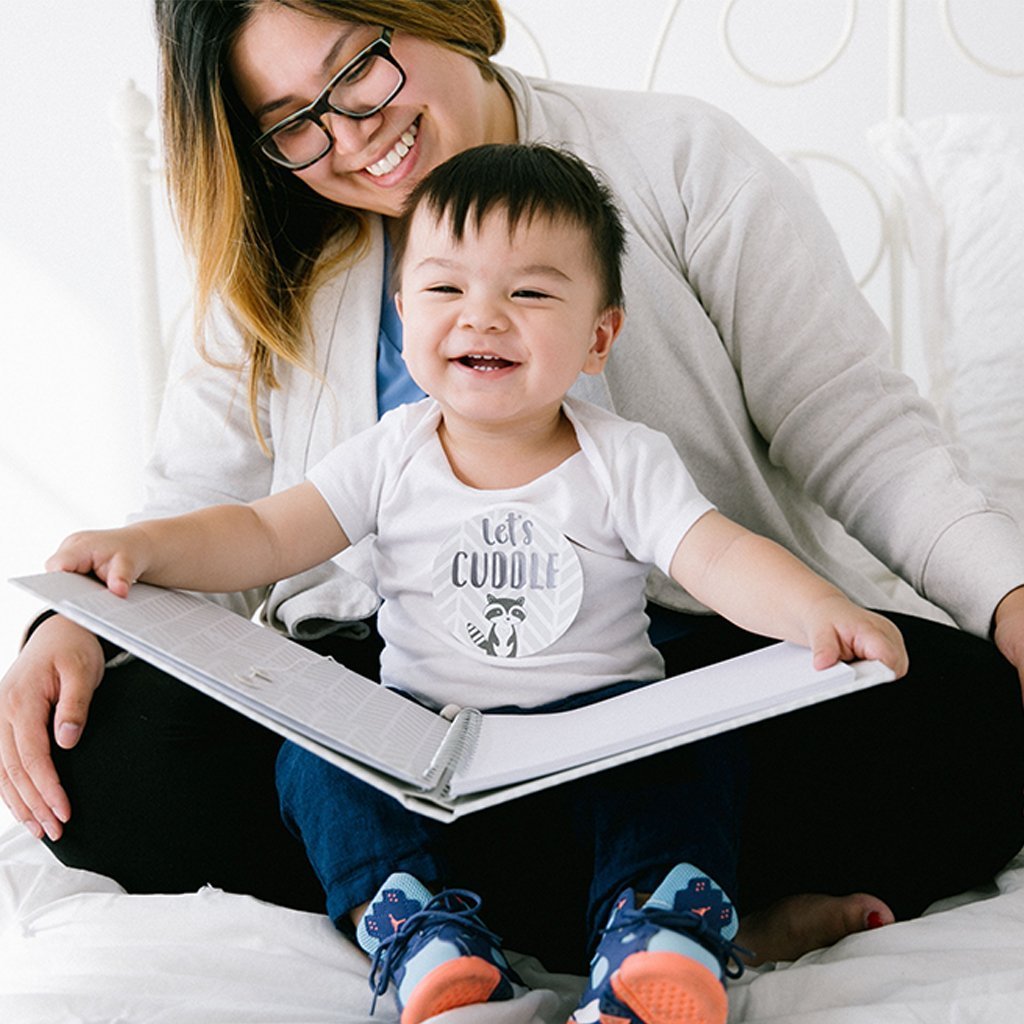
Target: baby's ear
[[606, 330]]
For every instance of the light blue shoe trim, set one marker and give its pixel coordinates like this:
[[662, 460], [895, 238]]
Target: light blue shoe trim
[[409, 933], [432, 955], [665, 941], [679, 879], [412, 889]]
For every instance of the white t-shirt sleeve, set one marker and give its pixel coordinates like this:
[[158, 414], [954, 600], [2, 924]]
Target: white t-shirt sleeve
[[656, 500], [350, 478], [353, 476]]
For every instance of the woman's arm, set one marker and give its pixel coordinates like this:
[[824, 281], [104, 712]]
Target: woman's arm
[[850, 429], [761, 587], [220, 548]]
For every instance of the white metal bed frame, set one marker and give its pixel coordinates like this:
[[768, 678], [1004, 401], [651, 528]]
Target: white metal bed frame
[[133, 113]]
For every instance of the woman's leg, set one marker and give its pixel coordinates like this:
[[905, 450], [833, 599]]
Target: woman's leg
[[911, 791], [171, 791]]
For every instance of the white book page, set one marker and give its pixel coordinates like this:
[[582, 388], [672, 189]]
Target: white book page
[[256, 670], [514, 748]]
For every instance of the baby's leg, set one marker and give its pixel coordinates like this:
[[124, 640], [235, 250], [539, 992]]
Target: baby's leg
[[370, 854], [433, 950], [354, 835], [662, 959], [680, 806]]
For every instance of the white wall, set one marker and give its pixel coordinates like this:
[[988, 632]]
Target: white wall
[[69, 415], [70, 425], [820, 105]]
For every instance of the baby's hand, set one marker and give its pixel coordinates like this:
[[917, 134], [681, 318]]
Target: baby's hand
[[843, 631], [116, 556]]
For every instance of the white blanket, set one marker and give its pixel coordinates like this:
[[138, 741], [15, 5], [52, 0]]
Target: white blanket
[[74, 948]]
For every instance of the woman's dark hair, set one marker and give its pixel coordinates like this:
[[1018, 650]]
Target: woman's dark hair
[[521, 181], [258, 236]]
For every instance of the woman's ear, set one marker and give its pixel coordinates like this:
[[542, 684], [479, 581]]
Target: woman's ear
[[398, 305], [606, 330]]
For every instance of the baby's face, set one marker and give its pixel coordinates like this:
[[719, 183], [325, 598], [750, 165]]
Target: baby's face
[[498, 326]]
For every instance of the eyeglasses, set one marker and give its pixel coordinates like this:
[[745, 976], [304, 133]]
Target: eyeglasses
[[365, 85]]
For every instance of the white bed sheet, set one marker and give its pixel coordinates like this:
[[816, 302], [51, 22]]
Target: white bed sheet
[[75, 949]]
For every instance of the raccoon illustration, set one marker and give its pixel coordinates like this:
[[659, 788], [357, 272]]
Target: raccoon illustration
[[504, 615]]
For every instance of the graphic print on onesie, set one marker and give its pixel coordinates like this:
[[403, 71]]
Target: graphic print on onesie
[[507, 583]]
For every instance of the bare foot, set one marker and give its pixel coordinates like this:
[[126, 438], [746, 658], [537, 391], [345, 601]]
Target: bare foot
[[797, 924]]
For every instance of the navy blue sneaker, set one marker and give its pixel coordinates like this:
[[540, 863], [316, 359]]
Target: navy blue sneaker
[[664, 962], [434, 949]]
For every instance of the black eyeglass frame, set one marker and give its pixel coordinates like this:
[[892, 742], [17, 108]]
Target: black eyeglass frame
[[380, 47]]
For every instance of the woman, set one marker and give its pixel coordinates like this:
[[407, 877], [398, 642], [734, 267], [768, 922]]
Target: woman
[[294, 131]]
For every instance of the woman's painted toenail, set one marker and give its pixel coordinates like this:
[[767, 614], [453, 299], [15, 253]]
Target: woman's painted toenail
[[874, 919]]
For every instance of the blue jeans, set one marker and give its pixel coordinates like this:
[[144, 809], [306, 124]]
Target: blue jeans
[[629, 825]]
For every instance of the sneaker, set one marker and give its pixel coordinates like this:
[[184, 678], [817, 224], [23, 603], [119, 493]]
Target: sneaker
[[664, 962], [434, 949]]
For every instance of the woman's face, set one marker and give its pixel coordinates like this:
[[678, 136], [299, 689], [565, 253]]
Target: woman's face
[[282, 59]]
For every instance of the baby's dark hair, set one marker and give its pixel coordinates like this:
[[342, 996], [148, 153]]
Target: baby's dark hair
[[522, 182]]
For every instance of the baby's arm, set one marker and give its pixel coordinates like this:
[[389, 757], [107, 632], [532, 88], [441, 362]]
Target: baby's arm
[[761, 587], [218, 549]]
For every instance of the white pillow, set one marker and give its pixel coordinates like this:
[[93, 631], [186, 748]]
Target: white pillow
[[961, 179]]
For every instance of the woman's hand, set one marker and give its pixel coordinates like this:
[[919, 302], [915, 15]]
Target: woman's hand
[[839, 630], [1008, 630], [56, 673], [118, 557]]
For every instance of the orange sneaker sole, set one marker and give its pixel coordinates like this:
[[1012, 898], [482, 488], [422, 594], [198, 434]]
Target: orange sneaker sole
[[460, 982], [668, 988]]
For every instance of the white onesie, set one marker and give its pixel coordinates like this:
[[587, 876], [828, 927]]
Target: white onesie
[[521, 595]]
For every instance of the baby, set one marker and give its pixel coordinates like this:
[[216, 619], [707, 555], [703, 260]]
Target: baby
[[514, 528]]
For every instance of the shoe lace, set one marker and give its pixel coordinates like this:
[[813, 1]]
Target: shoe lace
[[457, 906], [688, 923]]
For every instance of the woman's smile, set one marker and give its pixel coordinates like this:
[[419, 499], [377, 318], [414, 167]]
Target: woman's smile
[[280, 61], [396, 156]]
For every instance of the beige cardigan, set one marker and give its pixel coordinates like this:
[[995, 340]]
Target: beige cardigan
[[746, 341]]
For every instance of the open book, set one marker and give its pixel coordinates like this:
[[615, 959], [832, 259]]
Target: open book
[[439, 764]]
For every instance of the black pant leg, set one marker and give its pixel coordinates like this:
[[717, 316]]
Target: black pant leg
[[912, 790], [170, 790]]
